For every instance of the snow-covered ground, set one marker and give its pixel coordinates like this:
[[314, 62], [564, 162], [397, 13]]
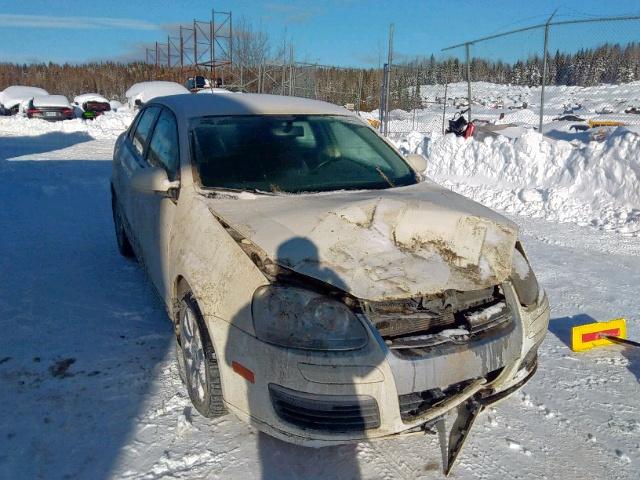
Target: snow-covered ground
[[520, 105], [88, 382]]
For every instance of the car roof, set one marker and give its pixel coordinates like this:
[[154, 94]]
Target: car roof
[[50, 101], [191, 106]]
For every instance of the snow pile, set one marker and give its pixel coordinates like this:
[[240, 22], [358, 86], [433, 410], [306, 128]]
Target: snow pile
[[89, 97], [597, 183], [107, 126], [50, 101], [145, 91], [17, 94]]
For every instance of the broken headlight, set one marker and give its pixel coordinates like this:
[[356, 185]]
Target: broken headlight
[[523, 279], [298, 318]]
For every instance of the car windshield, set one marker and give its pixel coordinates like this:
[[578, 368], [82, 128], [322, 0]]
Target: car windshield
[[293, 154]]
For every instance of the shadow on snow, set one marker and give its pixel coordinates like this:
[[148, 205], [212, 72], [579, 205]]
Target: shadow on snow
[[82, 329]]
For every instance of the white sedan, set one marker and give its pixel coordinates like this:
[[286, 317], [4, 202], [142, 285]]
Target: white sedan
[[321, 288]]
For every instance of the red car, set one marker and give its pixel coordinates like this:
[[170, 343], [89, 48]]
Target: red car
[[50, 107]]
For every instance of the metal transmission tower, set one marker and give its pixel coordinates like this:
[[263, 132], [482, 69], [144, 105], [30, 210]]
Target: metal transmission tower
[[213, 42], [203, 45]]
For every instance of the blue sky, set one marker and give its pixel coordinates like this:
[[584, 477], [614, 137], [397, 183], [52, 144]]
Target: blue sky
[[346, 32]]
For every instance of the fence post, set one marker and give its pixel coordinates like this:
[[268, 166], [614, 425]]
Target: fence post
[[388, 82], [359, 99], [168, 51], [383, 90], [444, 105], [181, 53], [466, 47], [544, 69]]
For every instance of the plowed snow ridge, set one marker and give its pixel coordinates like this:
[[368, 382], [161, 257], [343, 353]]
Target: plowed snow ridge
[[594, 183]]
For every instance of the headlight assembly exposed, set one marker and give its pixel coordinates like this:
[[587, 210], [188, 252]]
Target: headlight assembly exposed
[[523, 279], [298, 318]]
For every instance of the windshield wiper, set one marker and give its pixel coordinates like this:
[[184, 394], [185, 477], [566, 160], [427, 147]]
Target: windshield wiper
[[386, 179], [214, 192]]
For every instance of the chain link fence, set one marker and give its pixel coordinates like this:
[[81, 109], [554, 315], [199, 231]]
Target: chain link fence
[[564, 76], [561, 75]]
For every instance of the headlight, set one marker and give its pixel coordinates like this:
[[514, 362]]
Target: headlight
[[523, 279], [297, 318]]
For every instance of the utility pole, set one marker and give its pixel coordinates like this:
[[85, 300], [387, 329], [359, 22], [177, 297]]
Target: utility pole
[[388, 82], [544, 68], [466, 48]]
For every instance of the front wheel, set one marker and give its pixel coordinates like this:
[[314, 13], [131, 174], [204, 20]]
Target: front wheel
[[197, 361]]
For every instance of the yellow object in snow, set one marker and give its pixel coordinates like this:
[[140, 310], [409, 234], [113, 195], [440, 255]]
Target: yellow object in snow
[[585, 337], [605, 123]]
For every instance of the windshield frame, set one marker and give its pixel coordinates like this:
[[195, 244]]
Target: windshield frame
[[197, 180]]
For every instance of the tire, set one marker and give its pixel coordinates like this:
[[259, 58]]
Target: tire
[[200, 363], [124, 245]]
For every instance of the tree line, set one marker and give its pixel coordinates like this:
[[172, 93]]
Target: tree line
[[253, 72]]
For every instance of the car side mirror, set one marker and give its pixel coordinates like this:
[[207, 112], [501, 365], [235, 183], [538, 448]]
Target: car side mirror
[[153, 180], [417, 162], [138, 102]]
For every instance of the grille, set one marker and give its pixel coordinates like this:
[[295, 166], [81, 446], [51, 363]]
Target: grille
[[330, 413], [409, 326]]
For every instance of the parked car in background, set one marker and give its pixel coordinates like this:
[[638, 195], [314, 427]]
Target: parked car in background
[[142, 92], [91, 105], [320, 286], [50, 107], [14, 97]]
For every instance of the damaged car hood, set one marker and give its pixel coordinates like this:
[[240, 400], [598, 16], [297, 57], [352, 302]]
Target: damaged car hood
[[378, 244]]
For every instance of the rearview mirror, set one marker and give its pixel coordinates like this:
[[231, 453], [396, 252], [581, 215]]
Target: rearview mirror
[[417, 162], [153, 180]]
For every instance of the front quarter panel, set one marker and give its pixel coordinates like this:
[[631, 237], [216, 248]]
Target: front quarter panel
[[218, 271]]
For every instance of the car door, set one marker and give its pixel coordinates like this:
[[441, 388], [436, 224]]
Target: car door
[[157, 211], [131, 155]]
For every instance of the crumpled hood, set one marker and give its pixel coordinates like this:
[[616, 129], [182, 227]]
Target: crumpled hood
[[381, 244]]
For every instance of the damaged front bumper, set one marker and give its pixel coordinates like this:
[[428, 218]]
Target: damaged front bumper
[[327, 398]]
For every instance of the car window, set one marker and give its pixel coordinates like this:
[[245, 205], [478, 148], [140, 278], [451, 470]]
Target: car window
[[141, 133], [163, 148]]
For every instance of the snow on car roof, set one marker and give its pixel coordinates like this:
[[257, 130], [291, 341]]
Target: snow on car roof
[[189, 106], [50, 101], [89, 97], [145, 91], [16, 94]]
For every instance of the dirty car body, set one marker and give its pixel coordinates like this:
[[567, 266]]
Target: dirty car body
[[364, 302]]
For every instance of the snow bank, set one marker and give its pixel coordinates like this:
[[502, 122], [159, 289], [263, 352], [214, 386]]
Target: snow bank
[[597, 183], [106, 126], [145, 91]]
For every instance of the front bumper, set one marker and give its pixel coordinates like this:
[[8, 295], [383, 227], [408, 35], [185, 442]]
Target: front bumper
[[321, 398]]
